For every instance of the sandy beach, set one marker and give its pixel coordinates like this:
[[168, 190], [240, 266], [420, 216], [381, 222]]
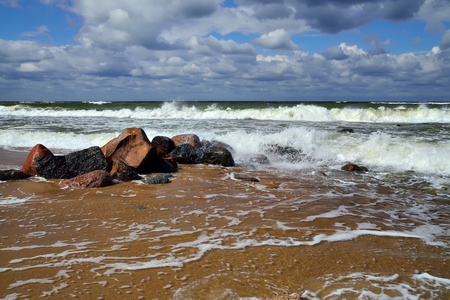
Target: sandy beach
[[206, 236]]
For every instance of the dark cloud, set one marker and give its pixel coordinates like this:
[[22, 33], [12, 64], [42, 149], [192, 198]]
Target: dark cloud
[[445, 42], [273, 11]]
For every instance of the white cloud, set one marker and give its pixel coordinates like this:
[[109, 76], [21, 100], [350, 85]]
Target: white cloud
[[278, 39]]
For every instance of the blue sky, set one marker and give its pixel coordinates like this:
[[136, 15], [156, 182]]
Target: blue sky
[[224, 50]]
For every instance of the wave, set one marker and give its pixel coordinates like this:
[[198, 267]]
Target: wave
[[379, 151], [300, 112]]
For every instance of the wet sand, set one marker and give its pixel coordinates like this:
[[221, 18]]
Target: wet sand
[[206, 236]]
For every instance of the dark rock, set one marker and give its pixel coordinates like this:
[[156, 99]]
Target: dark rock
[[7, 175], [159, 179], [245, 177], [72, 165], [218, 156], [191, 139], [133, 148], [53, 167], [123, 172], [185, 154], [259, 159], [94, 179], [86, 160], [346, 130], [164, 165], [29, 166], [354, 168], [164, 143], [288, 152]]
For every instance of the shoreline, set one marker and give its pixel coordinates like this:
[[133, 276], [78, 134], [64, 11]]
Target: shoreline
[[208, 235]]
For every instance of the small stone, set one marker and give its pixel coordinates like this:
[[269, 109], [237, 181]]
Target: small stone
[[159, 179], [7, 175], [245, 177]]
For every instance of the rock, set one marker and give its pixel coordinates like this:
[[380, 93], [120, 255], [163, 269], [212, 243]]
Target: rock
[[87, 160], [354, 168], [346, 130], [71, 165], [164, 165], [191, 139], [221, 145], [29, 166], [7, 175], [52, 167], [172, 161], [133, 148], [259, 159], [185, 154], [123, 172], [160, 152], [159, 179], [290, 153], [245, 177], [164, 143], [94, 179], [218, 156]]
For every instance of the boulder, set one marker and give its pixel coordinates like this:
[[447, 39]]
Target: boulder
[[159, 179], [133, 148], [191, 139], [259, 159], [71, 165], [94, 179], [123, 172], [185, 154], [164, 165], [221, 145], [218, 156], [288, 152], [164, 143], [7, 175], [354, 168], [29, 166], [52, 167]]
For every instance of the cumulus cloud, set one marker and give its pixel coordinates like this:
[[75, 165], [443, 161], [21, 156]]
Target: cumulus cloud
[[160, 49], [278, 39], [445, 42]]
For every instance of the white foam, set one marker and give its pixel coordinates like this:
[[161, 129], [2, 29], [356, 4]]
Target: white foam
[[300, 112], [13, 200]]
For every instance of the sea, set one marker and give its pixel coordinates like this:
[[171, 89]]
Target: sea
[[402, 200]]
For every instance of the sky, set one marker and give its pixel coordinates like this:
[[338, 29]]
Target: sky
[[266, 50]]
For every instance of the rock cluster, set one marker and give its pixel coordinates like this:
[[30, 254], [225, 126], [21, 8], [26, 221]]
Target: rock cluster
[[123, 159]]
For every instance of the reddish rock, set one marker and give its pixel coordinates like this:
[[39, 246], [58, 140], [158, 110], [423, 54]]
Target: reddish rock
[[191, 139], [354, 168], [161, 153], [29, 166], [133, 148], [94, 179], [121, 171], [164, 143]]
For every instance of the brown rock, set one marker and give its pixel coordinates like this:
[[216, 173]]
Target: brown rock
[[94, 179], [161, 153], [354, 168], [29, 166], [191, 139], [123, 172], [133, 148]]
